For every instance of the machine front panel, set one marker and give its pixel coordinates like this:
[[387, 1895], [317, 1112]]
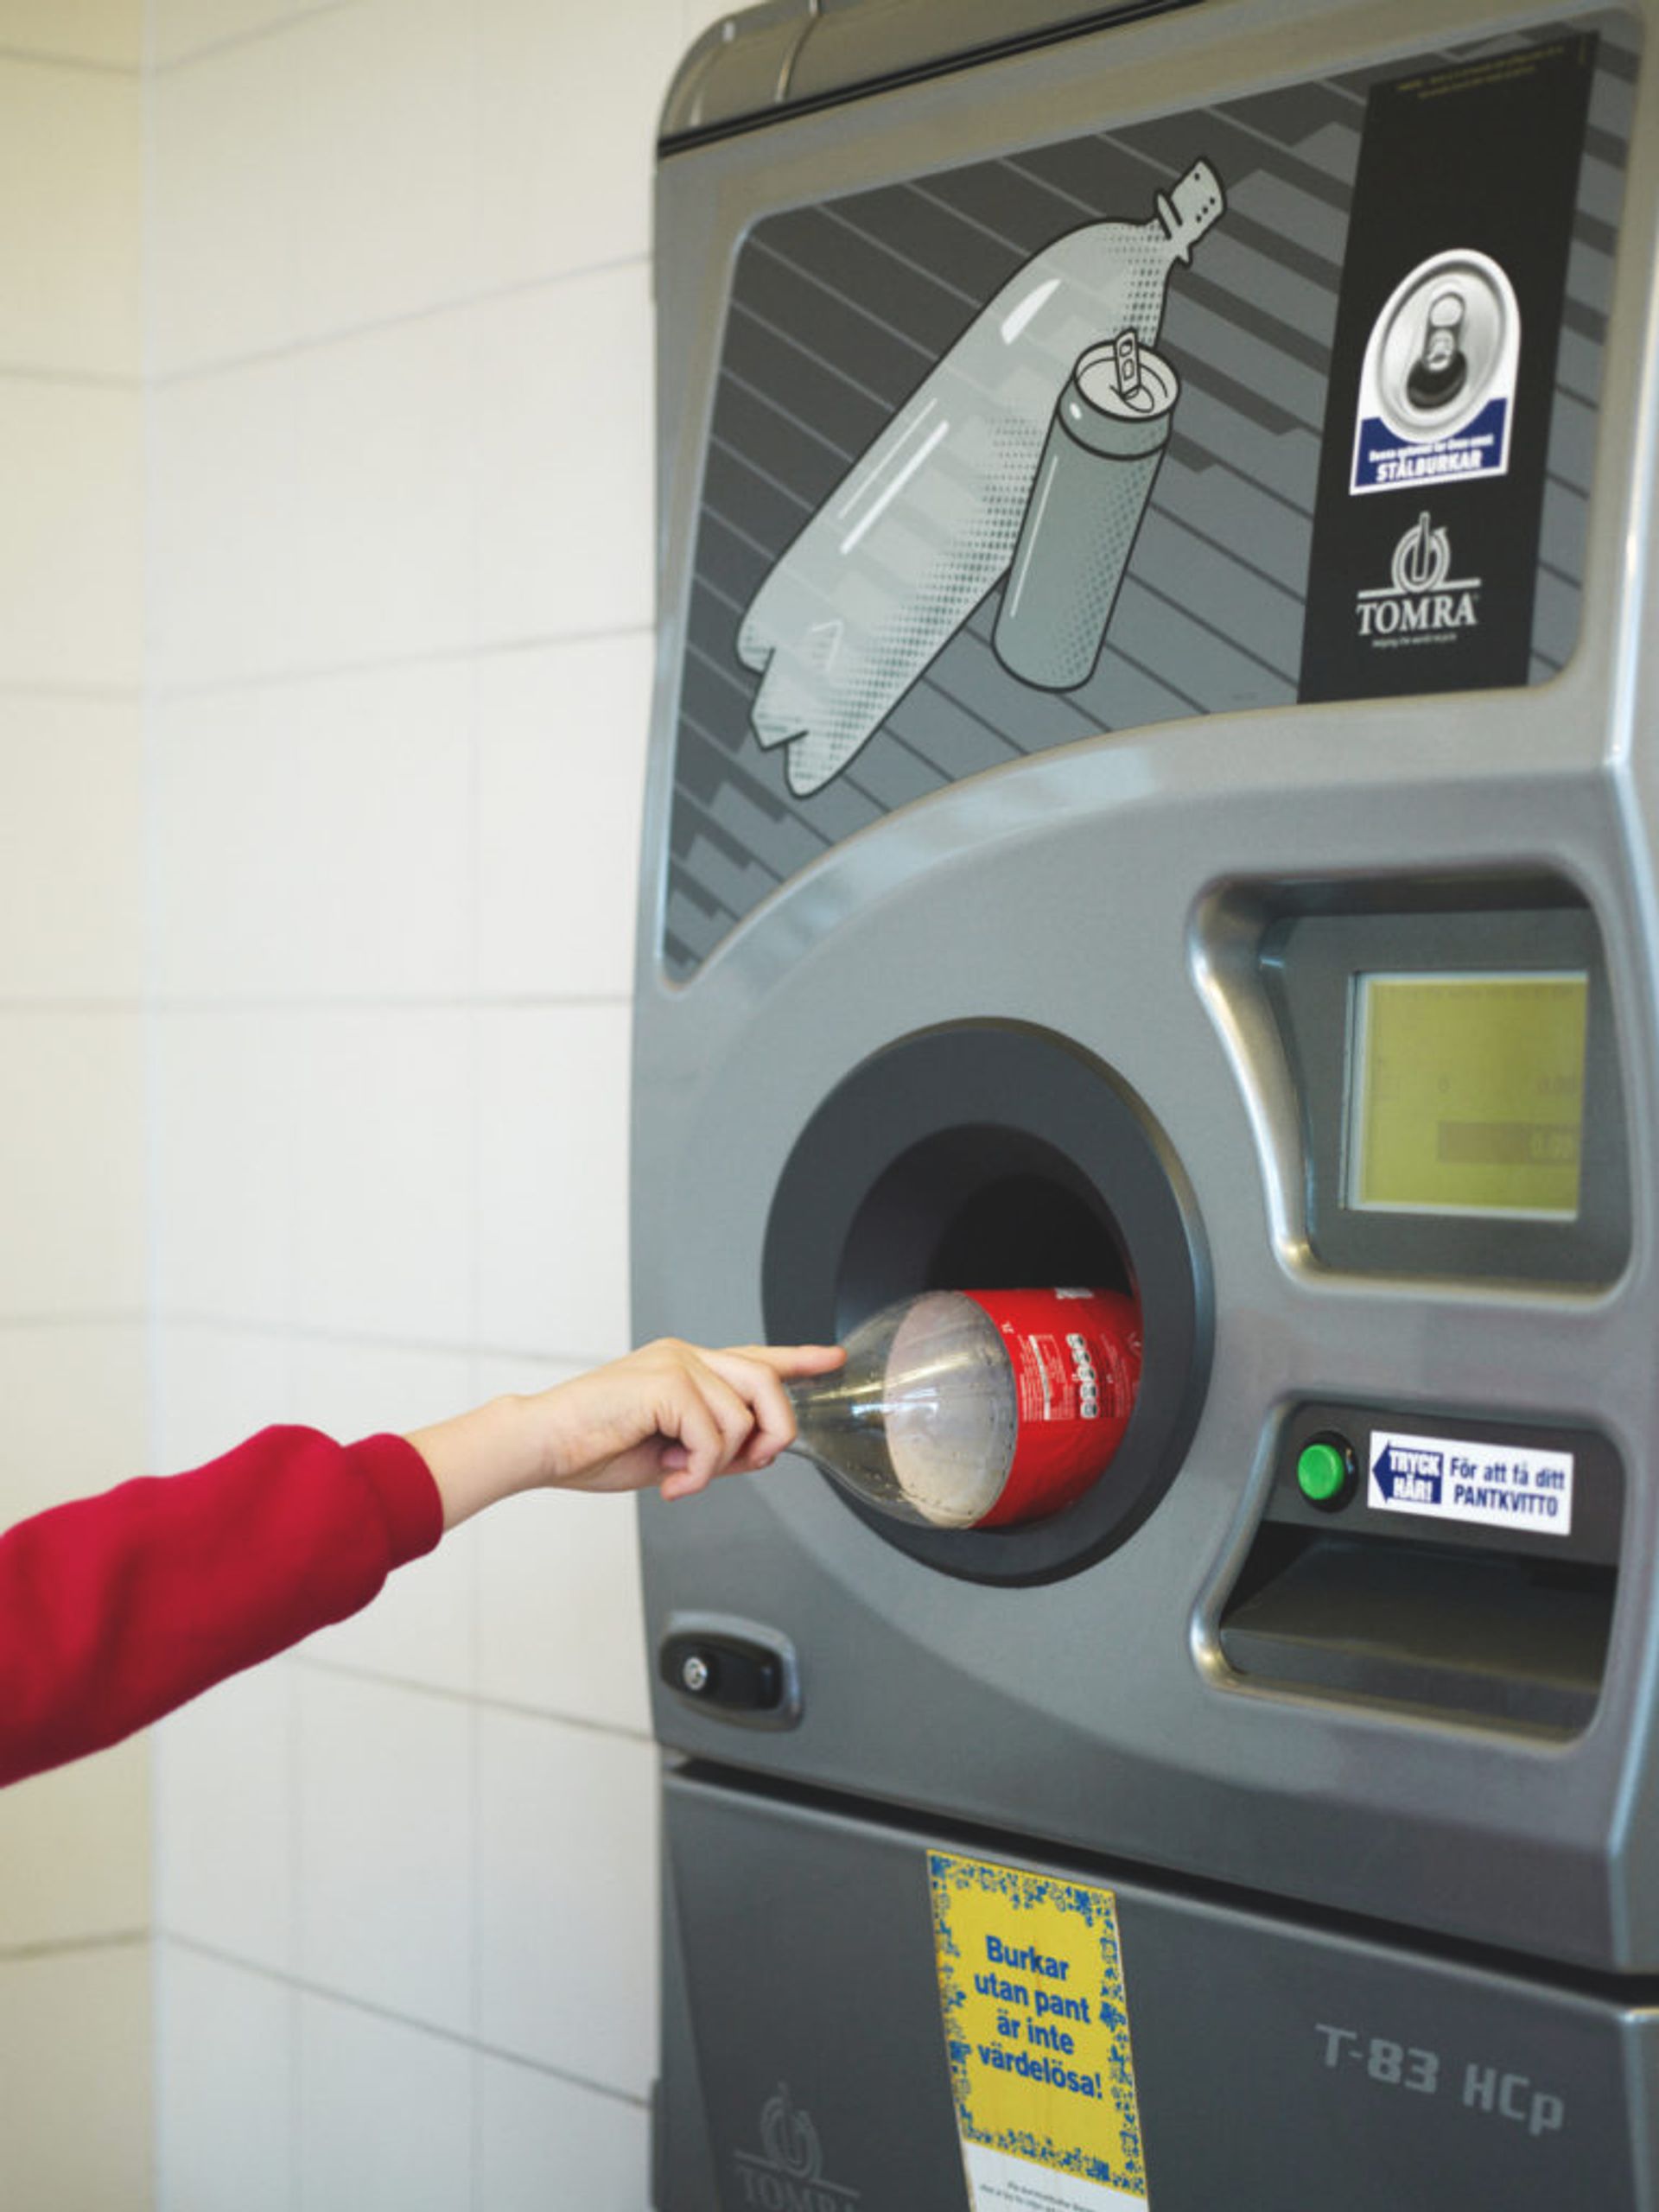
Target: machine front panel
[[1152, 799]]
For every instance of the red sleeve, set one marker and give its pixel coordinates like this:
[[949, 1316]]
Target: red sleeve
[[115, 1609]]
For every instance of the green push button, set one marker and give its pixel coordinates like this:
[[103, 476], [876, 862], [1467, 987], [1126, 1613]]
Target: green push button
[[1321, 1471]]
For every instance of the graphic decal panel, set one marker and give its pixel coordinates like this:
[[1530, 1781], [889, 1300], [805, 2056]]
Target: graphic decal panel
[[1032, 449]]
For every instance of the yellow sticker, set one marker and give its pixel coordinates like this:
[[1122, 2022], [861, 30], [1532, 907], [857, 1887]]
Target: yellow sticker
[[1037, 2031]]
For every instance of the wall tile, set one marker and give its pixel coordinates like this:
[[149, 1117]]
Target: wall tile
[[226, 1816], [568, 1899], [226, 140], [548, 2145], [71, 818], [561, 1625], [420, 1629], [74, 1412], [553, 1131], [385, 2115], [71, 1163], [70, 534], [371, 1175], [222, 572], [386, 1846], [566, 94], [69, 202], [74, 1851], [227, 2045], [83, 2017], [383, 1189], [316, 1167], [561, 393], [561, 740], [181, 31], [385, 533], [211, 1387], [382, 193], [223, 1099], [287, 824], [352, 1390], [107, 32]]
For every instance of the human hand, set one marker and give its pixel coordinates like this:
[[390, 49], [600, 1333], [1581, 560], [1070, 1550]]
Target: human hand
[[671, 1416], [674, 1415]]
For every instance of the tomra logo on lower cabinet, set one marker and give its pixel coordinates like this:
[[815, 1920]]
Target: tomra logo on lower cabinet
[[1422, 601], [786, 2175]]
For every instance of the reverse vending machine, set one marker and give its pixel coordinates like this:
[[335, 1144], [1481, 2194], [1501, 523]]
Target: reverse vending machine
[[1154, 786]]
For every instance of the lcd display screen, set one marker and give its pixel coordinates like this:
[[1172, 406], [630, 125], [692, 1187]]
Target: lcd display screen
[[1466, 1093]]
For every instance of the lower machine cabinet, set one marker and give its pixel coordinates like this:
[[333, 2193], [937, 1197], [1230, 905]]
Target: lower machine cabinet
[[857, 2015]]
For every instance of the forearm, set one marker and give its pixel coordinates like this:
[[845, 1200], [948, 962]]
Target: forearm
[[492, 1453]]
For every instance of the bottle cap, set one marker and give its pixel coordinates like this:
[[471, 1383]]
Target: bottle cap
[[1189, 211]]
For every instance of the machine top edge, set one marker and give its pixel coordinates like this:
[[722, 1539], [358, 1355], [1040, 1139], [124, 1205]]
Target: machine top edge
[[751, 70]]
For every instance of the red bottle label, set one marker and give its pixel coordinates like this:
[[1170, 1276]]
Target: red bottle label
[[1076, 1357]]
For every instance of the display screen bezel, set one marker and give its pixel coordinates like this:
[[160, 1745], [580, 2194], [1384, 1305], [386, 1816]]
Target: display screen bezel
[[1309, 961], [1360, 1111]]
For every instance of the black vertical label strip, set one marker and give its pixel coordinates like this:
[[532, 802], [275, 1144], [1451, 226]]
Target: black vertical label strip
[[1424, 544]]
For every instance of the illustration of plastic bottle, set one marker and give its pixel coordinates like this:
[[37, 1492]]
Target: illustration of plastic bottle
[[1090, 493], [925, 523], [973, 1409]]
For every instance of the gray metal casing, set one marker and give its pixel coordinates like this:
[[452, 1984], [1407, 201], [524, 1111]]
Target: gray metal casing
[[1254, 2041], [1096, 890]]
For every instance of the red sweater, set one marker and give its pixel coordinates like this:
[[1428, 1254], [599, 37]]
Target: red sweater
[[115, 1609]]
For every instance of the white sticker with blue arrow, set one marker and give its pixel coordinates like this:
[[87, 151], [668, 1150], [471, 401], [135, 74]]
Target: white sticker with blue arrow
[[1499, 1486]]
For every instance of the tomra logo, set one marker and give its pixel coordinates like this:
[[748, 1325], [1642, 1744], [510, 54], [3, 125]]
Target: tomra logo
[[788, 2174], [1423, 602]]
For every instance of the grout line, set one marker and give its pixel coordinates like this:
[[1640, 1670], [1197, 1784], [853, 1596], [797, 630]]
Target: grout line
[[187, 1007], [261, 34], [124, 1939], [9, 1322], [135, 1007], [118, 695], [81, 64], [385, 663], [305, 1987], [133, 382], [357, 1340], [473, 1700], [474, 1309], [292, 1766], [299, 349]]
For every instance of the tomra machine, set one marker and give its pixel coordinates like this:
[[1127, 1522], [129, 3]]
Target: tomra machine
[[1154, 786]]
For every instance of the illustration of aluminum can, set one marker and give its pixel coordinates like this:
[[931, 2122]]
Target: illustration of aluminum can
[[1090, 490]]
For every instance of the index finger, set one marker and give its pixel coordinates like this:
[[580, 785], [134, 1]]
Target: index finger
[[758, 1372], [792, 1361]]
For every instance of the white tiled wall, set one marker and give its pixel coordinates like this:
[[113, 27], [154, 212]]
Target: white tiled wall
[[398, 550], [74, 1883]]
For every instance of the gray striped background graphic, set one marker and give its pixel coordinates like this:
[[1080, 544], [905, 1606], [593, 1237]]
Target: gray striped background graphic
[[839, 311]]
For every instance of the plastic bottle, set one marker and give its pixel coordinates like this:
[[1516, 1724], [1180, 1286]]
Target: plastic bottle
[[975, 1409], [924, 524]]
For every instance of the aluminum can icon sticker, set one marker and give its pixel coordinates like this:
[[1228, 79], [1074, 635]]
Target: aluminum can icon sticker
[[1437, 387], [1104, 448]]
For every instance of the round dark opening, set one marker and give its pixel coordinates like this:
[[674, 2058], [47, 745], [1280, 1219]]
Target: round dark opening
[[995, 1155], [977, 1208]]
